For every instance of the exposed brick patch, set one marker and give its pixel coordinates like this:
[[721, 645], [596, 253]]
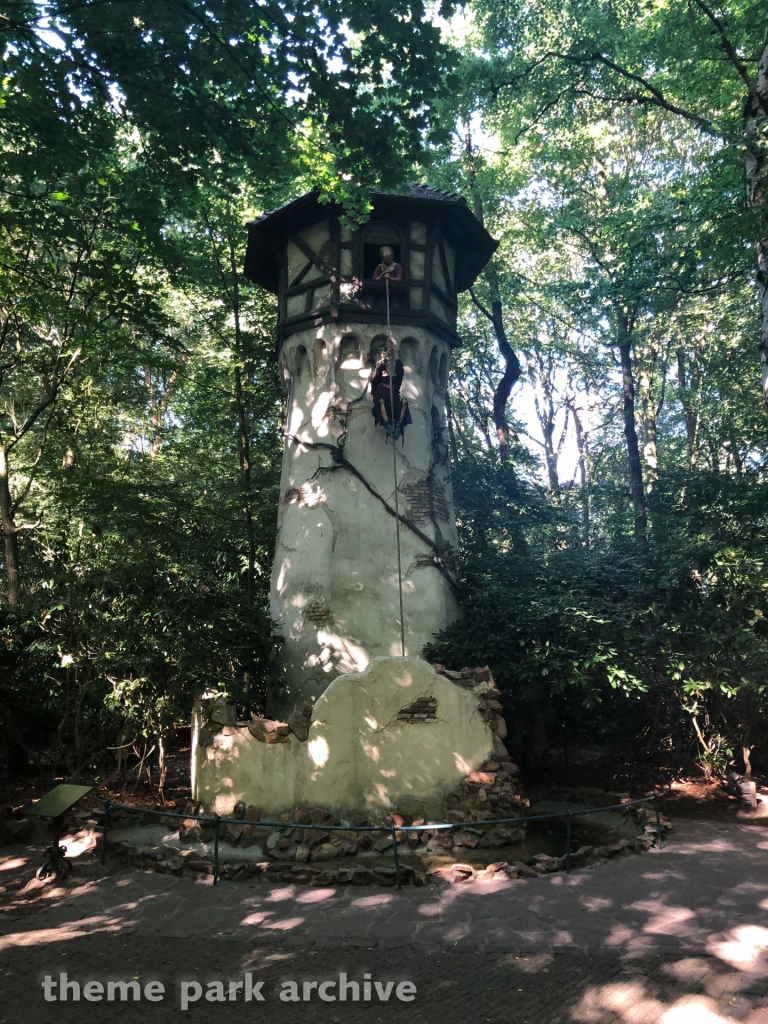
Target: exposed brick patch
[[318, 613], [422, 710], [424, 500], [304, 495], [423, 561]]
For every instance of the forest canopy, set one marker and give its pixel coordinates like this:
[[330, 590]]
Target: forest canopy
[[607, 406]]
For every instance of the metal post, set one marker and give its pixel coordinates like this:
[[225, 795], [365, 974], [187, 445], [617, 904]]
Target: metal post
[[216, 851], [658, 820], [104, 832], [397, 859], [568, 843]]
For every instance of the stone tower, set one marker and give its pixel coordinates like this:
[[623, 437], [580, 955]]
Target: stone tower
[[335, 583]]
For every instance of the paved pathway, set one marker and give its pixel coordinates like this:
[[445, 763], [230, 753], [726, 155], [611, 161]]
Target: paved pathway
[[678, 936]]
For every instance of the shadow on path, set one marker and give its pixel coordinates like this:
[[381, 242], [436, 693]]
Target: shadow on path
[[678, 936]]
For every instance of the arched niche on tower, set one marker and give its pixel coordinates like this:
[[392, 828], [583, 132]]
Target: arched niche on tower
[[302, 370], [409, 354], [442, 374], [349, 352], [349, 367], [437, 421], [434, 364], [285, 373], [322, 362], [438, 432], [413, 384]]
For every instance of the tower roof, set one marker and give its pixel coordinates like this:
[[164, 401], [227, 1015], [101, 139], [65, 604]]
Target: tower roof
[[474, 245]]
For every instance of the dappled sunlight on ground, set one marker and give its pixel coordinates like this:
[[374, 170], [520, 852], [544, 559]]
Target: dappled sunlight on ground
[[745, 949], [316, 895], [377, 900], [663, 876], [694, 1010], [11, 863], [282, 894], [286, 925], [627, 1001], [666, 920], [596, 903], [681, 939]]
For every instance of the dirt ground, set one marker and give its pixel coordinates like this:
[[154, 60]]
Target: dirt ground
[[589, 775]]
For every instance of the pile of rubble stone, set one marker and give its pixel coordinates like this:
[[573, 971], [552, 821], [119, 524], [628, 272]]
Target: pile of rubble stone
[[484, 808], [299, 856]]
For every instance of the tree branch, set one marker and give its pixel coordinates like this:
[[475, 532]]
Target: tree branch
[[733, 56], [656, 95], [480, 306]]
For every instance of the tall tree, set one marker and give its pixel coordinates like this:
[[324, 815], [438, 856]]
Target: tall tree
[[700, 65]]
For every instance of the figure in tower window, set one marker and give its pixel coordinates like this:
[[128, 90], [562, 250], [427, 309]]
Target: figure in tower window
[[384, 389], [387, 270]]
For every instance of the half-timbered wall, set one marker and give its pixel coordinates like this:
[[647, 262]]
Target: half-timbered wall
[[327, 276]]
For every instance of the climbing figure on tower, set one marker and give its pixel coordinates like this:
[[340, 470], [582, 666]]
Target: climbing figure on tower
[[384, 389]]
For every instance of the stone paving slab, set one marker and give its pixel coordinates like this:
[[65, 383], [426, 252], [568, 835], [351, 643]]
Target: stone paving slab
[[451, 986], [709, 880], [678, 936]]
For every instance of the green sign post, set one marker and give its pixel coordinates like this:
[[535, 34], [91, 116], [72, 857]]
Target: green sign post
[[54, 805]]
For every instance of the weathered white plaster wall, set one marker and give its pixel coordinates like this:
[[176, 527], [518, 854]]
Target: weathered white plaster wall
[[358, 759], [334, 584]]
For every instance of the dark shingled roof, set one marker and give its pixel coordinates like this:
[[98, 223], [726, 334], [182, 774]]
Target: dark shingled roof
[[413, 191], [475, 249]]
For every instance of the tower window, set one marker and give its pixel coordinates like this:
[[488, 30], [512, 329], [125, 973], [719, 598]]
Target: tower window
[[371, 258]]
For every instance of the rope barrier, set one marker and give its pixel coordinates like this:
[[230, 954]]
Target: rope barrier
[[218, 821]]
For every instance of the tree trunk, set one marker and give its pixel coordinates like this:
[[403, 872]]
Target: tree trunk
[[512, 366], [762, 285], [244, 449], [158, 407], [689, 384], [546, 422], [10, 533], [756, 173], [546, 413], [244, 436], [624, 338], [646, 368], [451, 432], [582, 445]]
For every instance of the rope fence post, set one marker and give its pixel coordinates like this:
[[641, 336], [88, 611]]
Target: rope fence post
[[217, 821], [104, 833], [658, 820], [397, 859], [568, 842]]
